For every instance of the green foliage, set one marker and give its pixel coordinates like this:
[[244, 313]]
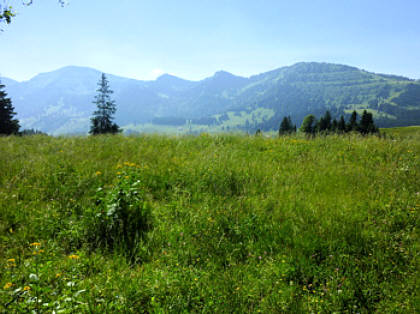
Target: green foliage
[[6, 14], [240, 224], [308, 125], [352, 125], [122, 216], [324, 124], [8, 125], [341, 126], [286, 126], [366, 124], [102, 120]]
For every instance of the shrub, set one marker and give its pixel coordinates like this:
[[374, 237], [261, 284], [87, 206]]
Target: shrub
[[122, 216]]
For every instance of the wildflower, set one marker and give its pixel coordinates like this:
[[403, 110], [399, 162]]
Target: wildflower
[[98, 173], [26, 288], [127, 177], [35, 244], [11, 260], [119, 172], [73, 256], [41, 251], [7, 285], [58, 275]]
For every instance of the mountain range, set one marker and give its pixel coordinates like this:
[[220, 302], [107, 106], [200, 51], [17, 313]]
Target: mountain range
[[60, 102]]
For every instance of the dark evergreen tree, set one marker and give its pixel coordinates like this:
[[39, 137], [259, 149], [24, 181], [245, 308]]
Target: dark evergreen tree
[[308, 125], [334, 125], [341, 126], [366, 123], [286, 126], [324, 124], [102, 120], [353, 125], [8, 125]]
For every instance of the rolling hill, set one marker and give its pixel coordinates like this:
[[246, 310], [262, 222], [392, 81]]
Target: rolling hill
[[60, 102]]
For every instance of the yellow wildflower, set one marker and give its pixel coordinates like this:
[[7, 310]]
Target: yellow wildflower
[[7, 285], [73, 256], [35, 244], [26, 288], [119, 172], [98, 173], [11, 260], [58, 275], [41, 251]]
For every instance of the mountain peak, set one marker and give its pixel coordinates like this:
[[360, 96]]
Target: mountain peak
[[167, 77], [222, 73]]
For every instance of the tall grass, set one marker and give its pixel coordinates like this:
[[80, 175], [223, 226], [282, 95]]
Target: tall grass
[[230, 224]]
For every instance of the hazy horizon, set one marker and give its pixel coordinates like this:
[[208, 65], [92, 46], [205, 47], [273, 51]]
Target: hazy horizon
[[194, 40]]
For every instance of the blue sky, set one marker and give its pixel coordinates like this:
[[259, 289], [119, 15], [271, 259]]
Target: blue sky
[[193, 39]]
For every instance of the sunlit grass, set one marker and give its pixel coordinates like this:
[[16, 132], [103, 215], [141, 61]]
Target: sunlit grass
[[238, 224]]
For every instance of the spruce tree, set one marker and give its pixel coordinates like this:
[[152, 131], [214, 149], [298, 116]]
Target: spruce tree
[[286, 126], [353, 125], [8, 125], [324, 124], [334, 125], [341, 126], [102, 120], [366, 123]]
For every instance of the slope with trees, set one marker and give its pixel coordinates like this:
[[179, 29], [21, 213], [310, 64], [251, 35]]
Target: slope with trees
[[56, 102]]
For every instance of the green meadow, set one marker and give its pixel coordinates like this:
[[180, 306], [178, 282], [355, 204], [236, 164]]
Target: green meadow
[[213, 224]]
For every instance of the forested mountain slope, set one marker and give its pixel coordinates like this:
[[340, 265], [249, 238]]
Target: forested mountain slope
[[61, 101]]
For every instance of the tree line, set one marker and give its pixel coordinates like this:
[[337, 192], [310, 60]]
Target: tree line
[[327, 125]]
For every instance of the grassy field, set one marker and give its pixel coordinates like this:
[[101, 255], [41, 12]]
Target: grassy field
[[412, 132], [210, 224]]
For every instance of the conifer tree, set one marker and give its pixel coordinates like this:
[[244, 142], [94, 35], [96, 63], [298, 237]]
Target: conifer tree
[[8, 125], [353, 125], [334, 125], [366, 123], [286, 126], [102, 120], [325, 122], [341, 126]]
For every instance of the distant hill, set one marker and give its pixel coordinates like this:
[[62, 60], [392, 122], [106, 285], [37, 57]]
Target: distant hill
[[60, 102]]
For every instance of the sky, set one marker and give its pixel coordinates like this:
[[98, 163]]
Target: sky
[[193, 39]]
